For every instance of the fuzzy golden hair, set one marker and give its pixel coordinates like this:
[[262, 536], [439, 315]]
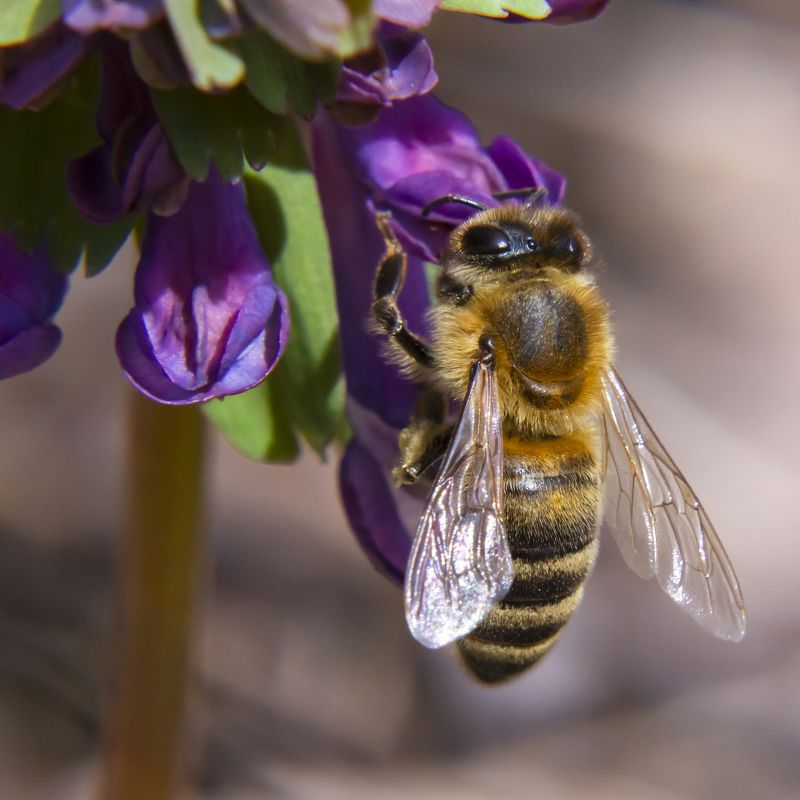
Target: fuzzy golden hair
[[458, 329]]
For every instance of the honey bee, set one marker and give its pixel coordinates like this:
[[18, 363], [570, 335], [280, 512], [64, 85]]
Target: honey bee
[[522, 339]]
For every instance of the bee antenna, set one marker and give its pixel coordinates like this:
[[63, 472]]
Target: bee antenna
[[532, 196], [452, 198]]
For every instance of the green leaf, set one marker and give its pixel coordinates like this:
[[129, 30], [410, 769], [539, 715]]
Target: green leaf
[[226, 128], [358, 37], [21, 20], [211, 65], [499, 9], [286, 211], [256, 423], [432, 273], [280, 80], [35, 149]]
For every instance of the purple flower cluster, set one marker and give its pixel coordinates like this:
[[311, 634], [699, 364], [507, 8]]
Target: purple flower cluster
[[208, 320]]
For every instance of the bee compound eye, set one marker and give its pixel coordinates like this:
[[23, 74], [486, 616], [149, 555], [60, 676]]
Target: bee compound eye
[[485, 240]]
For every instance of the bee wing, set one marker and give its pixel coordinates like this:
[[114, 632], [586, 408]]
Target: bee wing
[[658, 522], [460, 564]]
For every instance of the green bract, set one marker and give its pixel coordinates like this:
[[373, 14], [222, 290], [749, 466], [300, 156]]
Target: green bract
[[211, 66], [35, 149], [256, 423], [530, 9], [305, 393], [280, 80], [224, 128], [23, 19]]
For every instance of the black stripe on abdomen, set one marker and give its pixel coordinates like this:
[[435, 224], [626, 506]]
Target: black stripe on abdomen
[[551, 523]]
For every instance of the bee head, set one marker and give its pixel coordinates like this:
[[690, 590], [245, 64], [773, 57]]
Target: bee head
[[514, 239]]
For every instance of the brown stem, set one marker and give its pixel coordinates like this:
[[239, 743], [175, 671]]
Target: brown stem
[[163, 562]]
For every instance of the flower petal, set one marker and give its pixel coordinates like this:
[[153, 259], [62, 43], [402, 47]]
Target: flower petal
[[31, 292], [356, 248], [409, 13], [575, 10], [420, 150], [382, 515], [29, 72], [310, 30], [520, 171], [208, 319], [372, 512], [87, 16], [135, 167], [400, 66], [411, 137], [28, 350]]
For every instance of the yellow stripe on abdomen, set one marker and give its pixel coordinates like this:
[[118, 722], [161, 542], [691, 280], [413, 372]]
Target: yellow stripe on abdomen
[[551, 521]]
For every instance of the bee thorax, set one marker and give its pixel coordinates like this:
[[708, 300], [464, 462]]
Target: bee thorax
[[545, 334]]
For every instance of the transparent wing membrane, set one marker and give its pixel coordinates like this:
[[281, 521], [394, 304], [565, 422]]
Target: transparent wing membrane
[[658, 522], [460, 565]]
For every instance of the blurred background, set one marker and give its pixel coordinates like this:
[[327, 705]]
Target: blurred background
[[678, 125]]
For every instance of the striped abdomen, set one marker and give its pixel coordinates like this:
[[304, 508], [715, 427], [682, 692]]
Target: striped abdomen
[[552, 508]]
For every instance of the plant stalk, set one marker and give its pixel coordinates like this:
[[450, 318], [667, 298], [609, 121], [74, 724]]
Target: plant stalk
[[163, 566]]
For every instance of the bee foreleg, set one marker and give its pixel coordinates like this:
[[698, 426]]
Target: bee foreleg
[[389, 279]]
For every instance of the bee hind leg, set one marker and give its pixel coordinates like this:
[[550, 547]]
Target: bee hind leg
[[389, 279], [425, 440]]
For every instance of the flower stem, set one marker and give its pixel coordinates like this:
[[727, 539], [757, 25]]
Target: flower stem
[[162, 571]]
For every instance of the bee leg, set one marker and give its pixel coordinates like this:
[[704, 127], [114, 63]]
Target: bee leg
[[389, 280], [425, 440], [445, 199], [450, 290]]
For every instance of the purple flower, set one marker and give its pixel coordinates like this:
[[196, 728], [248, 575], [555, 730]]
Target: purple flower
[[31, 72], [313, 30], [420, 150], [135, 167], [30, 294], [417, 151], [408, 13], [382, 516], [379, 397], [208, 319], [565, 11], [398, 67], [87, 16]]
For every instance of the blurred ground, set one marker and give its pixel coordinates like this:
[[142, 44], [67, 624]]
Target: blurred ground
[[677, 124]]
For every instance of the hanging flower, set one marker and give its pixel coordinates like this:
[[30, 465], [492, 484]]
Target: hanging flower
[[420, 150], [30, 294], [416, 152], [135, 167], [208, 320]]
